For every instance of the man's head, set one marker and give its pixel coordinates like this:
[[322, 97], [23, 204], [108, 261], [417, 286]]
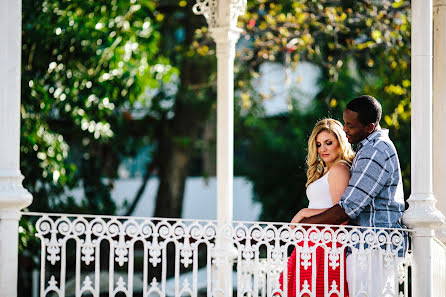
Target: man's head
[[361, 118]]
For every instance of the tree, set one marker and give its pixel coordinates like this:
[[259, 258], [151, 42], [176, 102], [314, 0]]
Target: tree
[[80, 92], [360, 47], [193, 104], [189, 49], [85, 65]]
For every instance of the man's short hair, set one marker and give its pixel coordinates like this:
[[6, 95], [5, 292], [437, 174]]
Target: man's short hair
[[368, 108]]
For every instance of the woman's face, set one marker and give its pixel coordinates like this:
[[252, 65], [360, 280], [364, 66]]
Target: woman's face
[[327, 147]]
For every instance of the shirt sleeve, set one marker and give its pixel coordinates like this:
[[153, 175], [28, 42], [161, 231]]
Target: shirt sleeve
[[369, 175]]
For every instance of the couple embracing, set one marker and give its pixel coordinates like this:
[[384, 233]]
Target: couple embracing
[[363, 189]]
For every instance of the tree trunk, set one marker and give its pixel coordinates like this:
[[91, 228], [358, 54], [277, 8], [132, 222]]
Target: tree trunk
[[175, 151], [172, 176], [194, 103]]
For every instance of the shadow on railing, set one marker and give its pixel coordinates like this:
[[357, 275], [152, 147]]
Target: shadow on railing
[[86, 255]]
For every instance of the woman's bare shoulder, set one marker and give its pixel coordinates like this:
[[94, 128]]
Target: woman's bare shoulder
[[340, 170]]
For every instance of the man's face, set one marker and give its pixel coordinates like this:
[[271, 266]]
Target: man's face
[[354, 129]]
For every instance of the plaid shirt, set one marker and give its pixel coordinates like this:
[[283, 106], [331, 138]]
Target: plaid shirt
[[374, 196]]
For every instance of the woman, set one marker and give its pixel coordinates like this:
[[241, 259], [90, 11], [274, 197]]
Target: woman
[[329, 158]]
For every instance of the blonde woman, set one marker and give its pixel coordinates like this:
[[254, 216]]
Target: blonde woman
[[329, 158]]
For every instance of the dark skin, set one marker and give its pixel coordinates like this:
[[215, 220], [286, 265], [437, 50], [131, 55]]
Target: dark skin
[[356, 132]]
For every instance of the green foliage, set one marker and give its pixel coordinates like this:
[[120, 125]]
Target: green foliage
[[361, 47], [88, 64], [85, 65], [272, 155]]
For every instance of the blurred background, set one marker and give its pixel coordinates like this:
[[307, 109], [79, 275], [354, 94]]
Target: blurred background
[[119, 102]]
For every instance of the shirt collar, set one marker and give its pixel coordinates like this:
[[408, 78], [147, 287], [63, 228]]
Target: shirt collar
[[372, 136]]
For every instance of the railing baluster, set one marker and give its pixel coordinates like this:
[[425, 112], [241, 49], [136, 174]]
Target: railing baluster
[[256, 271], [111, 270], [209, 269], [396, 264], [130, 270], [164, 268], [342, 256], [369, 270], [195, 272], [63, 266], [97, 268], [177, 271], [374, 253], [297, 271], [145, 272], [326, 280], [77, 268], [42, 264]]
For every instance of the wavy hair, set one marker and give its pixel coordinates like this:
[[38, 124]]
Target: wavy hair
[[346, 153]]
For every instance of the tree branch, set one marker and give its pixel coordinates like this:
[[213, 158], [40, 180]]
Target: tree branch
[[142, 187]]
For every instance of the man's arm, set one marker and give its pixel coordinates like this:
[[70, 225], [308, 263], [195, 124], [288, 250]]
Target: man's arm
[[332, 216], [368, 177]]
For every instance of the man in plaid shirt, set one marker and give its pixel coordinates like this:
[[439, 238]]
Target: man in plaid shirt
[[374, 196]]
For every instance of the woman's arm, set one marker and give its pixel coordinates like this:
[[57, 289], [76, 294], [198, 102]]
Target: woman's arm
[[338, 181]]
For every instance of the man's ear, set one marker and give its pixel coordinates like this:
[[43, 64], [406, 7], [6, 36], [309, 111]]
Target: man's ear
[[370, 128]]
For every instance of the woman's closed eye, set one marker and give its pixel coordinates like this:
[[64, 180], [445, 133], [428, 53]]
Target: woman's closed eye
[[329, 143]]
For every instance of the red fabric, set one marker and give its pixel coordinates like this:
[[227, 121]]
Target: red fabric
[[306, 274]]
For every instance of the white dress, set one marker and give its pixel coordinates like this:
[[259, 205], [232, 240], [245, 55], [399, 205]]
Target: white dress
[[318, 193]]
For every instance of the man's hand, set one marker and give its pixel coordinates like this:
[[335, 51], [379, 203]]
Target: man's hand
[[332, 216]]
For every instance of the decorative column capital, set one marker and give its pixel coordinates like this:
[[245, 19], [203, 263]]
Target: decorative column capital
[[226, 39], [439, 3], [220, 13], [422, 212]]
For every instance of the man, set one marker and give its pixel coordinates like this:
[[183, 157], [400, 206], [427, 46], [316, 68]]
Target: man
[[374, 196]]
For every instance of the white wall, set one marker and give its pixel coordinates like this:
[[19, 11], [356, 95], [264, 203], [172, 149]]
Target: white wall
[[278, 83], [200, 198]]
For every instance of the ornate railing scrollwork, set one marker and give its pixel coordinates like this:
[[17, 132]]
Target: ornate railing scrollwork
[[209, 9], [174, 257]]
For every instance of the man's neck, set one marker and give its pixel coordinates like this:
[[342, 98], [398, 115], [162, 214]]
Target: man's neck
[[377, 128]]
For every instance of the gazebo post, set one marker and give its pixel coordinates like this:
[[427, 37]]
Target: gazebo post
[[422, 215], [221, 16], [13, 197], [439, 93]]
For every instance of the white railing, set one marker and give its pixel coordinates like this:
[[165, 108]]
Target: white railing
[[127, 256]]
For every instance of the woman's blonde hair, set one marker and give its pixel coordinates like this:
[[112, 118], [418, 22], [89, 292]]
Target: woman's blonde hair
[[346, 153]]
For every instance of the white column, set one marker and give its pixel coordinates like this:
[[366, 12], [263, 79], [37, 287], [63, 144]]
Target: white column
[[222, 20], [13, 196], [439, 92], [225, 40], [422, 215]]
